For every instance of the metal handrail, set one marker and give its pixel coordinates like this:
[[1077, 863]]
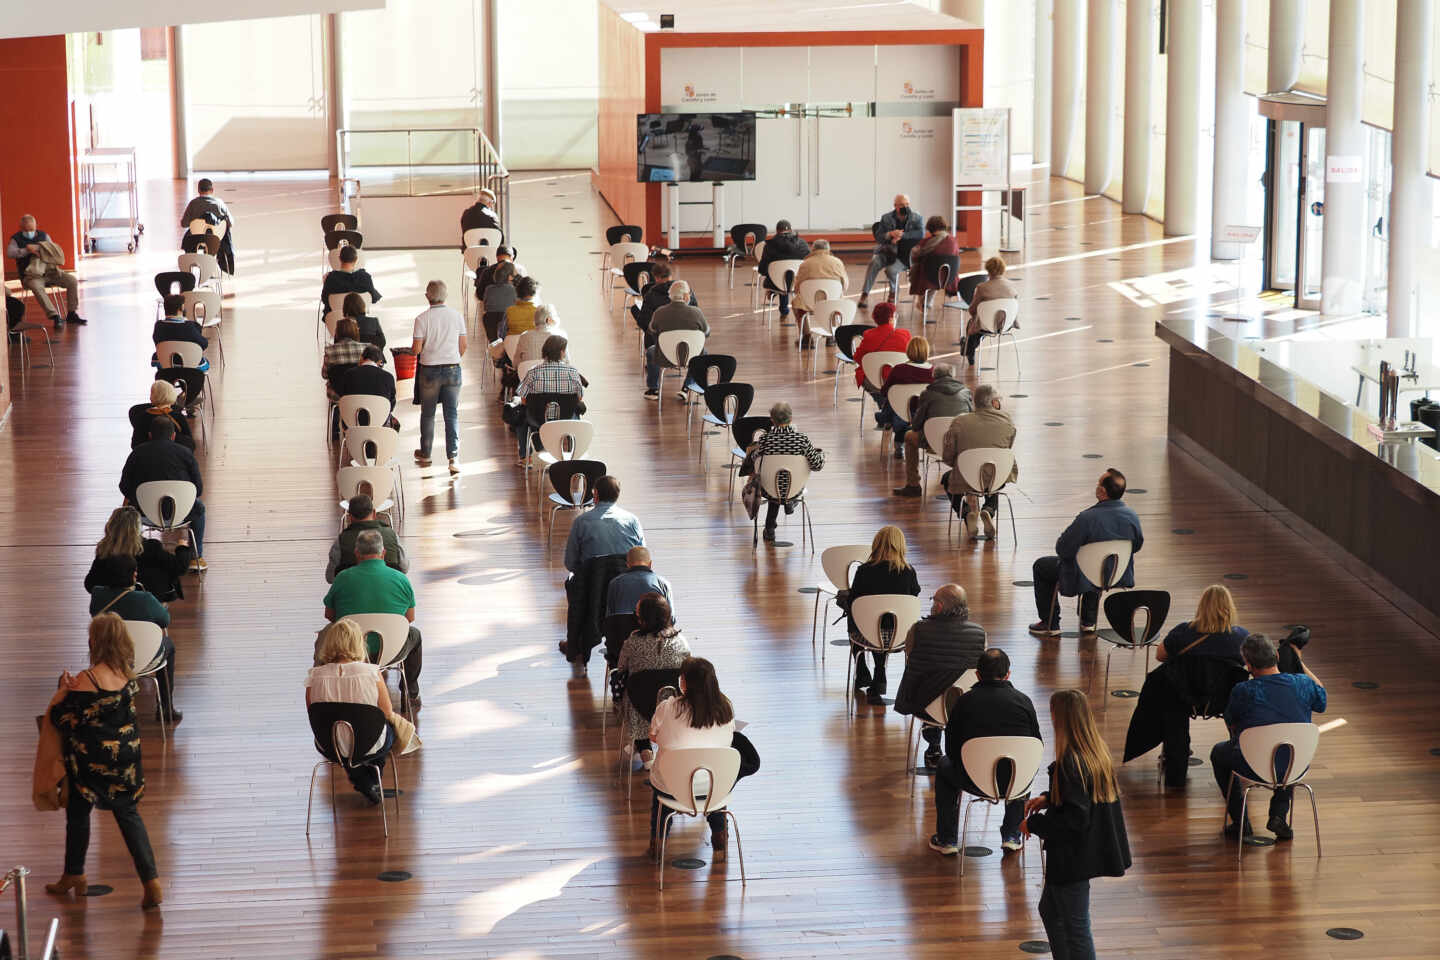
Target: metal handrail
[[490, 170], [17, 876]]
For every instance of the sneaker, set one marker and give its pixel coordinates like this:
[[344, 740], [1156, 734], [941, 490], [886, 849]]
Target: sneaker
[[1280, 828], [412, 697], [987, 522], [422, 458], [863, 303], [198, 565], [941, 845], [1041, 629], [1014, 842], [899, 453], [909, 490], [876, 698], [1087, 628], [454, 468], [682, 396], [652, 394], [577, 670], [371, 792]]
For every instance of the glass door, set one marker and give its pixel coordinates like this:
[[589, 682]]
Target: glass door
[[1284, 181], [1295, 181], [1312, 218]]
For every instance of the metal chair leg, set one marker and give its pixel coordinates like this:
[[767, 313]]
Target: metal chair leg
[[739, 848], [964, 828], [380, 785], [1314, 811], [310, 796]]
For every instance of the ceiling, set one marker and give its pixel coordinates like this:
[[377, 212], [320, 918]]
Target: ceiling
[[766, 16]]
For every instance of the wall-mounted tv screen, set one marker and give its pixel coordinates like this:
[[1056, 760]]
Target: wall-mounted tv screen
[[695, 147]]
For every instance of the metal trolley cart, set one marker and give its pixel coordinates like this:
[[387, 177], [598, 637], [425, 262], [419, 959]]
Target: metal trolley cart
[[97, 197]]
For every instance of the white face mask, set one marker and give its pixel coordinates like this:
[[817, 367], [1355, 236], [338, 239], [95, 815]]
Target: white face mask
[[28, 234]]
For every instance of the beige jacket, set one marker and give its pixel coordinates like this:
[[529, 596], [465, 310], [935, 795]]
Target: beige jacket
[[996, 288], [819, 266], [984, 428]]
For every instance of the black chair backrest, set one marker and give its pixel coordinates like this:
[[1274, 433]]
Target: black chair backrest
[[540, 407], [625, 233], [636, 272], [615, 628], [192, 242], [353, 238], [845, 336], [739, 232], [942, 269], [965, 286], [722, 363], [189, 379], [744, 429], [576, 477], [366, 721], [167, 281], [717, 395], [642, 688], [1120, 610], [339, 221]]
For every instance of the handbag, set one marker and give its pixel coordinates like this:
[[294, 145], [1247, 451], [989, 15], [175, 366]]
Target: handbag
[[750, 496]]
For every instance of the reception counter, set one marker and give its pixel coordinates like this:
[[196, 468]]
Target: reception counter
[[1306, 454]]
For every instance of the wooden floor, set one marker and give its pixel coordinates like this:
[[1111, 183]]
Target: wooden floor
[[518, 842]]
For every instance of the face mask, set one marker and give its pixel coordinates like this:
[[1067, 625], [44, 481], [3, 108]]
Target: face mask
[[28, 234], [903, 213]]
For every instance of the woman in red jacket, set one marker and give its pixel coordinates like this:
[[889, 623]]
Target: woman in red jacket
[[885, 336]]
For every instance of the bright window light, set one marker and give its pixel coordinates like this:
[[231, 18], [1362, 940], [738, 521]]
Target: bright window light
[[634, 16]]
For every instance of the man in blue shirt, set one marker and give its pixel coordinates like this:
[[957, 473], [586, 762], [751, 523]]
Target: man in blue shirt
[[604, 530], [1270, 697], [637, 580], [1060, 575], [595, 554]]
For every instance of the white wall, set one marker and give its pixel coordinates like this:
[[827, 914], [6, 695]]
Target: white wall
[[1010, 67], [87, 16]]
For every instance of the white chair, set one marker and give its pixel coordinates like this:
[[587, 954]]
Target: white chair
[[471, 263], [981, 759], [335, 306], [203, 307], [381, 483], [828, 313], [869, 614], [901, 396], [935, 715], [698, 781], [974, 466], [755, 284], [199, 227], [560, 440], [837, 562], [768, 473], [393, 630], [149, 663], [606, 260], [205, 268], [374, 409], [934, 430], [512, 345], [1260, 747], [183, 353], [782, 275], [525, 367], [376, 446], [612, 277], [874, 364], [482, 237], [676, 348], [996, 318], [165, 505]]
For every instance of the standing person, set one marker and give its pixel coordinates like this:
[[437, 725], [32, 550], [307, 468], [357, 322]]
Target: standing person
[[786, 244], [210, 208], [895, 234], [439, 343], [161, 458], [1081, 823], [94, 713], [701, 716], [987, 426], [994, 287], [30, 243], [886, 571]]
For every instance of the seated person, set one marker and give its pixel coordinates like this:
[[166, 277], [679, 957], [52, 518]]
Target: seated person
[[600, 539], [895, 233], [656, 294], [342, 675], [996, 287], [158, 570], [1269, 697], [532, 344], [938, 650], [701, 716], [499, 296], [656, 644], [821, 264], [353, 307], [917, 370], [925, 258], [991, 708], [987, 426], [369, 378], [781, 439], [945, 397], [884, 336], [174, 326], [164, 399], [210, 208], [886, 571], [1059, 576], [489, 274], [678, 314], [786, 244], [14, 315], [553, 375], [341, 356], [520, 315], [30, 242], [117, 590], [370, 586], [480, 214], [637, 580], [350, 278], [161, 458], [360, 516]]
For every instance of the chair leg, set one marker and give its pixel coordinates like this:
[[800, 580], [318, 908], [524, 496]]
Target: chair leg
[[380, 785], [160, 703], [964, 828], [814, 622], [824, 626], [849, 694], [395, 779], [664, 838], [1314, 811], [310, 796], [740, 849], [1244, 819]]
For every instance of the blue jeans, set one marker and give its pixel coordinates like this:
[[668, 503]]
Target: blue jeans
[[1065, 911], [440, 383], [892, 275], [900, 428]]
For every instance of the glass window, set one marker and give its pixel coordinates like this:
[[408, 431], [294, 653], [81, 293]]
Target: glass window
[[549, 83]]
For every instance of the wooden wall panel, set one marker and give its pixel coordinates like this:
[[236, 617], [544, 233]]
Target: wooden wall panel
[[37, 171], [622, 96]]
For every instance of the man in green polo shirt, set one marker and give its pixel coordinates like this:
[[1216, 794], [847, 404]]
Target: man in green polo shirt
[[372, 587]]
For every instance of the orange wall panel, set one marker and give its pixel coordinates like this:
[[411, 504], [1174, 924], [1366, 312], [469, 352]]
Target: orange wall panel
[[622, 96], [37, 171]]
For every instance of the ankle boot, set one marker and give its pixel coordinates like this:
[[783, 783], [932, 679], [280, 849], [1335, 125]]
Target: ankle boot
[[68, 882], [719, 842], [153, 895]]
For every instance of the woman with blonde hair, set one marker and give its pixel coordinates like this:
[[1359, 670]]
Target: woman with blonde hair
[[159, 570], [994, 287], [1081, 823], [164, 398], [884, 572], [94, 713], [918, 370]]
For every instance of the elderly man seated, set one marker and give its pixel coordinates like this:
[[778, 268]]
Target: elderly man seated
[[938, 650], [678, 314], [553, 375], [39, 260], [373, 587], [944, 397], [595, 554], [627, 589], [987, 426], [361, 516]]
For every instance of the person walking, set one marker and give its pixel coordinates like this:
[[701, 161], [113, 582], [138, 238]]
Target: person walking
[[439, 343]]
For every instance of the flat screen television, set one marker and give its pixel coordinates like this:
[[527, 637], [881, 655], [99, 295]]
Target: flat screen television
[[694, 147]]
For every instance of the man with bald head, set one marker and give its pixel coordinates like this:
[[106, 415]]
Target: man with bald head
[[938, 650], [637, 580], [895, 234]]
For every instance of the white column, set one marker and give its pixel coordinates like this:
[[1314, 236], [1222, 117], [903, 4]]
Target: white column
[[1287, 37], [1101, 30], [1342, 273], [1232, 127], [1409, 187], [1141, 48], [1044, 33], [1065, 82], [491, 94], [1182, 118]]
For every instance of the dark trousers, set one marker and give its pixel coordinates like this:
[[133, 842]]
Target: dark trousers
[[132, 829], [197, 525], [932, 736], [362, 777], [863, 677], [772, 513], [972, 343], [411, 654], [950, 782], [167, 675], [1046, 573], [1226, 759], [1176, 749], [716, 819], [1065, 911]]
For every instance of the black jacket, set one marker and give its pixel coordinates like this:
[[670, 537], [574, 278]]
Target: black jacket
[[477, 216], [185, 330], [370, 331], [141, 419], [23, 261], [876, 578], [656, 296], [587, 589], [1193, 684], [367, 378], [939, 650], [1083, 839], [355, 281], [158, 460], [159, 570], [782, 246], [991, 708]]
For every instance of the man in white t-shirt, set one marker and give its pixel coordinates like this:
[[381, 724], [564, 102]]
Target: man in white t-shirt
[[439, 345]]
